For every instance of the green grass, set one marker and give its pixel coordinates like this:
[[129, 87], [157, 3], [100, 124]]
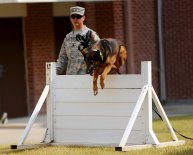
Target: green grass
[[182, 124]]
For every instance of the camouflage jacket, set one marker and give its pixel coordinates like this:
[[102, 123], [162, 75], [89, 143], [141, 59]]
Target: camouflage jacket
[[71, 60]]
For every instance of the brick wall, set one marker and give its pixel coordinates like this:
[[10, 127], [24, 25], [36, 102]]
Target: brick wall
[[99, 17], [106, 18], [144, 36], [178, 47], [118, 25], [90, 14], [39, 42], [118, 20]]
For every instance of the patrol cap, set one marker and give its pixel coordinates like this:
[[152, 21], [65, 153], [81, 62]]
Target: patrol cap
[[77, 10]]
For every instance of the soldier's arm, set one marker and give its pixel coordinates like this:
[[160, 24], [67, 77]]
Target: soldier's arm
[[62, 60], [95, 37]]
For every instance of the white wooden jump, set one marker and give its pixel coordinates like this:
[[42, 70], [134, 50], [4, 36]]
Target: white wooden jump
[[120, 115]]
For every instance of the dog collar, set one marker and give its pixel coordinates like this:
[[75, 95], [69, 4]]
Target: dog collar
[[101, 55]]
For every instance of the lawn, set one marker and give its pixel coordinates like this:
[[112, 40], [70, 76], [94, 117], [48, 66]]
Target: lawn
[[183, 124]]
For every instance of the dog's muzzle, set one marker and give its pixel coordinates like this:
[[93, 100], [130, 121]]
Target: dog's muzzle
[[91, 68]]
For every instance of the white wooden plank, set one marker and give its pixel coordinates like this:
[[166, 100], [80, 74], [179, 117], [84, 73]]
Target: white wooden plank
[[95, 122], [133, 116], [34, 115], [134, 147], [170, 143], [111, 81], [97, 109], [145, 146], [96, 137], [105, 95]]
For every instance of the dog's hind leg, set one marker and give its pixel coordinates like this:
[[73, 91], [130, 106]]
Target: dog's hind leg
[[122, 56]]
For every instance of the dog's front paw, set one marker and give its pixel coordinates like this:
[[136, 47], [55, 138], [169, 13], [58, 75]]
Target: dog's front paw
[[102, 85], [95, 92], [102, 82]]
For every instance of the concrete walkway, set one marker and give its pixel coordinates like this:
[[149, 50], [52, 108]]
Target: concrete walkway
[[12, 131], [178, 109]]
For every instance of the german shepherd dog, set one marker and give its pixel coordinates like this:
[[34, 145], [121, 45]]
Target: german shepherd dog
[[105, 56]]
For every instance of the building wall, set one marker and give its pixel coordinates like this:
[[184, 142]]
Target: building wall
[[13, 10], [99, 17], [178, 48], [39, 44], [142, 27]]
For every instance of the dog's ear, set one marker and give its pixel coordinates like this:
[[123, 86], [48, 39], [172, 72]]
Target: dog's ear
[[88, 36], [84, 40], [84, 52], [79, 37]]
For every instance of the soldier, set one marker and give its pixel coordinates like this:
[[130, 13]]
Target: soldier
[[70, 60]]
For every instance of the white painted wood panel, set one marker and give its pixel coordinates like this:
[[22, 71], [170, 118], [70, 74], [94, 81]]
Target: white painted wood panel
[[100, 137], [93, 108], [111, 81], [113, 117], [95, 123], [105, 95], [82, 118]]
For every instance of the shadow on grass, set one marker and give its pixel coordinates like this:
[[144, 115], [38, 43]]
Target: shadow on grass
[[8, 150], [188, 151]]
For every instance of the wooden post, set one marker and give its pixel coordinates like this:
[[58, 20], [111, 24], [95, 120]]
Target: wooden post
[[147, 106], [50, 75]]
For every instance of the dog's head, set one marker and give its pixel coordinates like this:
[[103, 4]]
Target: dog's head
[[96, 56], [92, 54], [93, 58]]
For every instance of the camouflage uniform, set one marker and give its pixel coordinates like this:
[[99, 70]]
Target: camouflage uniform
[[70, 59]]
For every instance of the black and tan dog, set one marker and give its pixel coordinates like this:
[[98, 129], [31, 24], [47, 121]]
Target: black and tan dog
[[104, 57]]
